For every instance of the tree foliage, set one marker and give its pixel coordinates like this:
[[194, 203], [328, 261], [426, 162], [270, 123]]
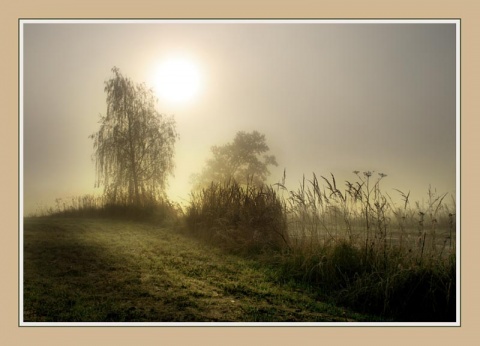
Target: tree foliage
[[134, 147], [243, 160]]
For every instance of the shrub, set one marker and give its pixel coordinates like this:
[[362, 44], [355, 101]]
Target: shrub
[[240, 217]]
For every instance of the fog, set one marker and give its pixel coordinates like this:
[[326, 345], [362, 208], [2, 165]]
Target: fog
[[329, 97]]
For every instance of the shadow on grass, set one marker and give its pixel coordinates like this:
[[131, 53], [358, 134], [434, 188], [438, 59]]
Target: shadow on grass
[[93, 270], [74, 274]]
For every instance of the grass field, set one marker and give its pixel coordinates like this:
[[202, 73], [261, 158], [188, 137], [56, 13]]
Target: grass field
[[99, 270], [246, 253]]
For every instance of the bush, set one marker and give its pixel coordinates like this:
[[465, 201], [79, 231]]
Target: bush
[[245, 218]]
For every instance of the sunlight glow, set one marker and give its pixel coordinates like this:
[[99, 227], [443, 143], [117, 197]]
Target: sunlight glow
[[177, 80]]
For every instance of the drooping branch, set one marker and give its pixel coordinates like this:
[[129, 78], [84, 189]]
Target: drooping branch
[[134, 146]]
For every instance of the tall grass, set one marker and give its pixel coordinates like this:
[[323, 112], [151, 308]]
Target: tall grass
[[350, 242], [247, 218], [353, 243]]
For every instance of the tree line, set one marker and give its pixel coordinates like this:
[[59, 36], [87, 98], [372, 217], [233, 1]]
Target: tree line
[[134, 149]]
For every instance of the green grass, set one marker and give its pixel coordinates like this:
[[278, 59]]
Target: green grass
[[353, 245], [101, 270]]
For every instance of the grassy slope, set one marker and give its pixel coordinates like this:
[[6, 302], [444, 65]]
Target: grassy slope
[[93, 270]]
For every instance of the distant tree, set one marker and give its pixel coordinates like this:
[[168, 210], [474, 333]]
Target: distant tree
[[244, 160], [134, 146]]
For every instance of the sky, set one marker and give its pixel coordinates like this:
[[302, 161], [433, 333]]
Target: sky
[[330, 98]]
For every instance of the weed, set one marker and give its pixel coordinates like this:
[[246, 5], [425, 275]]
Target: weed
[[353, 244], [246, 218]]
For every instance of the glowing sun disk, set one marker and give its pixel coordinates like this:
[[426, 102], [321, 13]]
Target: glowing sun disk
[[177, 80]]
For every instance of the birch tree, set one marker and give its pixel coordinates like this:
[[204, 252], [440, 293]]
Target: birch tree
[[134, 147]]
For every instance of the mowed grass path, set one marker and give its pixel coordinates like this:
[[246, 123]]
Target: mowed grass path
[[93, 270]]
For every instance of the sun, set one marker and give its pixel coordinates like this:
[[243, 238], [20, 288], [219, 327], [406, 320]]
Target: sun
[[177, 80]]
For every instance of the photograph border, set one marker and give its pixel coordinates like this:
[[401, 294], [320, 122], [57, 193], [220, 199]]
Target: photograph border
[[466, 11], [160, 21]]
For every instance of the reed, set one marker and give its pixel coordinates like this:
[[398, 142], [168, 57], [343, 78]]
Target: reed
[[247, 218], [353, 243]]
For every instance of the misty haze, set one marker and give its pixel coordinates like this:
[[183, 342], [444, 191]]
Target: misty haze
[[239, 171]]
